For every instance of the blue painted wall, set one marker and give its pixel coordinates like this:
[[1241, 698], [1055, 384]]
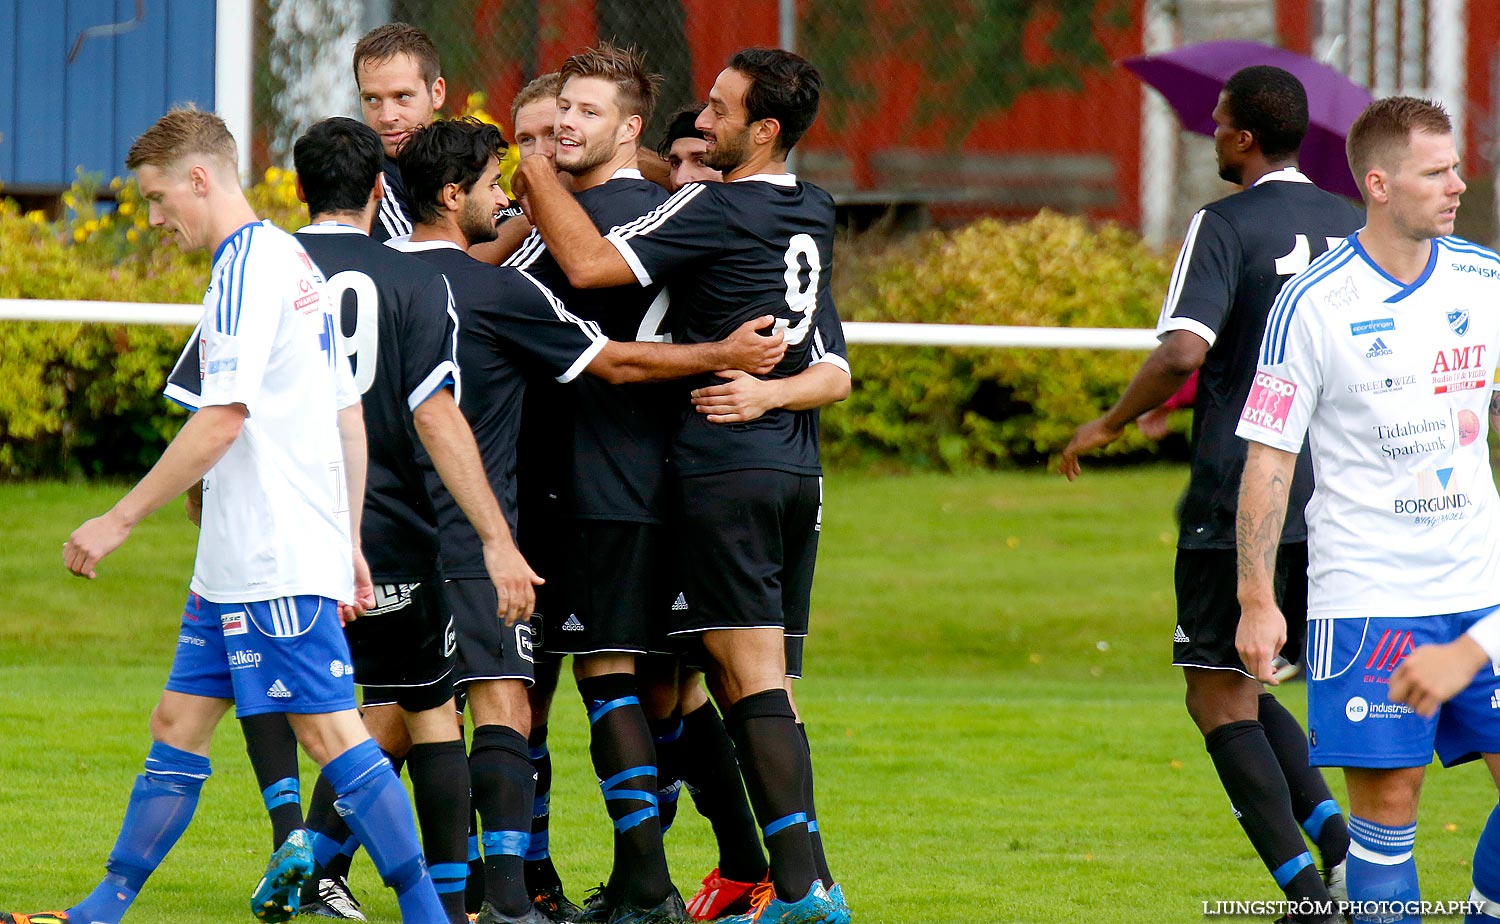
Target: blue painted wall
[[56, 116]]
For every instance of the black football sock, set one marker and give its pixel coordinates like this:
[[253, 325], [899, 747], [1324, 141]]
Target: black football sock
[[272, 747], [812, 816], [440, 788], [1312, 803], [541, 875], [774, 761], [666, 738], [501, 778], [709, 767], [625, 762], [474, 885], [1257, 791]]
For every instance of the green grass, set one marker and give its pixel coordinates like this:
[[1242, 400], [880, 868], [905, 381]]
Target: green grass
[[997, 732]]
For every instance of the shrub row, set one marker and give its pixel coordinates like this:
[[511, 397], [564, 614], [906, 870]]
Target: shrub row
[[930, 407]]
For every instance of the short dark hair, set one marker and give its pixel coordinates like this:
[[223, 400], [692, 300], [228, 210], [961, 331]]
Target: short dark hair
[[383, 43], [683, 125], [1271, 105], [447, 151], [1381, 134], [544, 87], [635, 87], [337, 161], [784, 87]]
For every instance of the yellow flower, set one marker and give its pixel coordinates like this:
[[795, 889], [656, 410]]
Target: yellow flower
[[69, 201], [126, 209], [116, 183], [273, 174], [79, 236], [89, 227], [37, 217], [132, 235]]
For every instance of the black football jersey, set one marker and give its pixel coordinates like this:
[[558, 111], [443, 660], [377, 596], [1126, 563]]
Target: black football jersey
[[393, 218], [398, 327], [511, 328], [610, 441], [1237, 254], [730, 252]]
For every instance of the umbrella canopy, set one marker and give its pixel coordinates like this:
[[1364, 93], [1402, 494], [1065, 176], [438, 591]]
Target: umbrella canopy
[[1190, 79]]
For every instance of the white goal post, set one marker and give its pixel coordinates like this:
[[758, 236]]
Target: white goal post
[[950, 335]]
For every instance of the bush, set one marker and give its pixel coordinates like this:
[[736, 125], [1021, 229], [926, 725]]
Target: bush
[[85, 399], [934, 407]]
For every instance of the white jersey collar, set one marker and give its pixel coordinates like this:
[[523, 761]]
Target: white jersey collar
[[775, 179], [626, 173], [406, 245], [1284, 175], [331, 227]]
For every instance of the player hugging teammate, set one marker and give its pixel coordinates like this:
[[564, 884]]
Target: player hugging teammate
[[606, 448]]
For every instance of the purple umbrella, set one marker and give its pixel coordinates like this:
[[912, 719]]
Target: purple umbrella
[[1190, 80]]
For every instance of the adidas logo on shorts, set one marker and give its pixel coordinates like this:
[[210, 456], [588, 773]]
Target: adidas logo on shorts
[[1180, 636], [279, 691], [572, 623], [680, 603]]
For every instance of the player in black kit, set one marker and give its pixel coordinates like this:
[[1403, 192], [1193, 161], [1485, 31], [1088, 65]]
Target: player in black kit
[[1238, 252], [511, 329], [762, 242], [401, 89]]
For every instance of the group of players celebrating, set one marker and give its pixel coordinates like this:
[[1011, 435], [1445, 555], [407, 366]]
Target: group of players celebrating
[[435, 449]]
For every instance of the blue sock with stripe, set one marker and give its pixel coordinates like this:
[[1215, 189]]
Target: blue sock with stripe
[[541, 875], [625, 762], [504, 785], [1258, 795], [161, 805], [372, 801], [1487, 873], [666, 735], [774, 759], [1381, 868]]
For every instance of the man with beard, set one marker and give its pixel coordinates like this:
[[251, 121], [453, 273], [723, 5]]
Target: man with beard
[[511, 329], [401, 88], [750, 495], [1238, 253]]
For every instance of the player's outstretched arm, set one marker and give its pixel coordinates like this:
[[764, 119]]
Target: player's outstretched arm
[[449, 441], [589, 261], [351, 423], [745, 349], [744, 397], [198, 446], [1264, 489], [1180, 353]]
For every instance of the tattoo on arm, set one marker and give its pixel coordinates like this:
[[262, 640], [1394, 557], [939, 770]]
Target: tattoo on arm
[[1495, 404], [1258, 527]]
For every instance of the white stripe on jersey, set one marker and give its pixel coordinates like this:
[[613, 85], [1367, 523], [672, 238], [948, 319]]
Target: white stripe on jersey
[[563, 314], [653, 219], [393, 217], [1179, 271], [530, 250]]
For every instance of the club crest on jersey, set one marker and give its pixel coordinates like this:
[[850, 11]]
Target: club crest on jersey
[[1458, 319]]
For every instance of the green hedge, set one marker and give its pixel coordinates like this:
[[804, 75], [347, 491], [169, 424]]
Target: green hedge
[[84, 399], [934, 407]]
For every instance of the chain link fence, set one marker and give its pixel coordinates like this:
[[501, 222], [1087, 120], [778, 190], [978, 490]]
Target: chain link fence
[[946, 108]]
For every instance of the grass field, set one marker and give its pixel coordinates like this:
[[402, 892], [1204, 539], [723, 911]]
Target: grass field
[[997, 734]]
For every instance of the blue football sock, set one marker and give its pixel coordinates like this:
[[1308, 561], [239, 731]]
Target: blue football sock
[[373, 803], [161, 805], [1487, 872], [1381, 868]]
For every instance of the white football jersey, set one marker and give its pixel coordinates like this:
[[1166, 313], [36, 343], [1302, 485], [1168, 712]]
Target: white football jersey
[[1391, 383], [275, 507]]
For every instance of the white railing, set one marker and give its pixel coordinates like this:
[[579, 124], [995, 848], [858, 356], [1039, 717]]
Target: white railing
[[953, 335]]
